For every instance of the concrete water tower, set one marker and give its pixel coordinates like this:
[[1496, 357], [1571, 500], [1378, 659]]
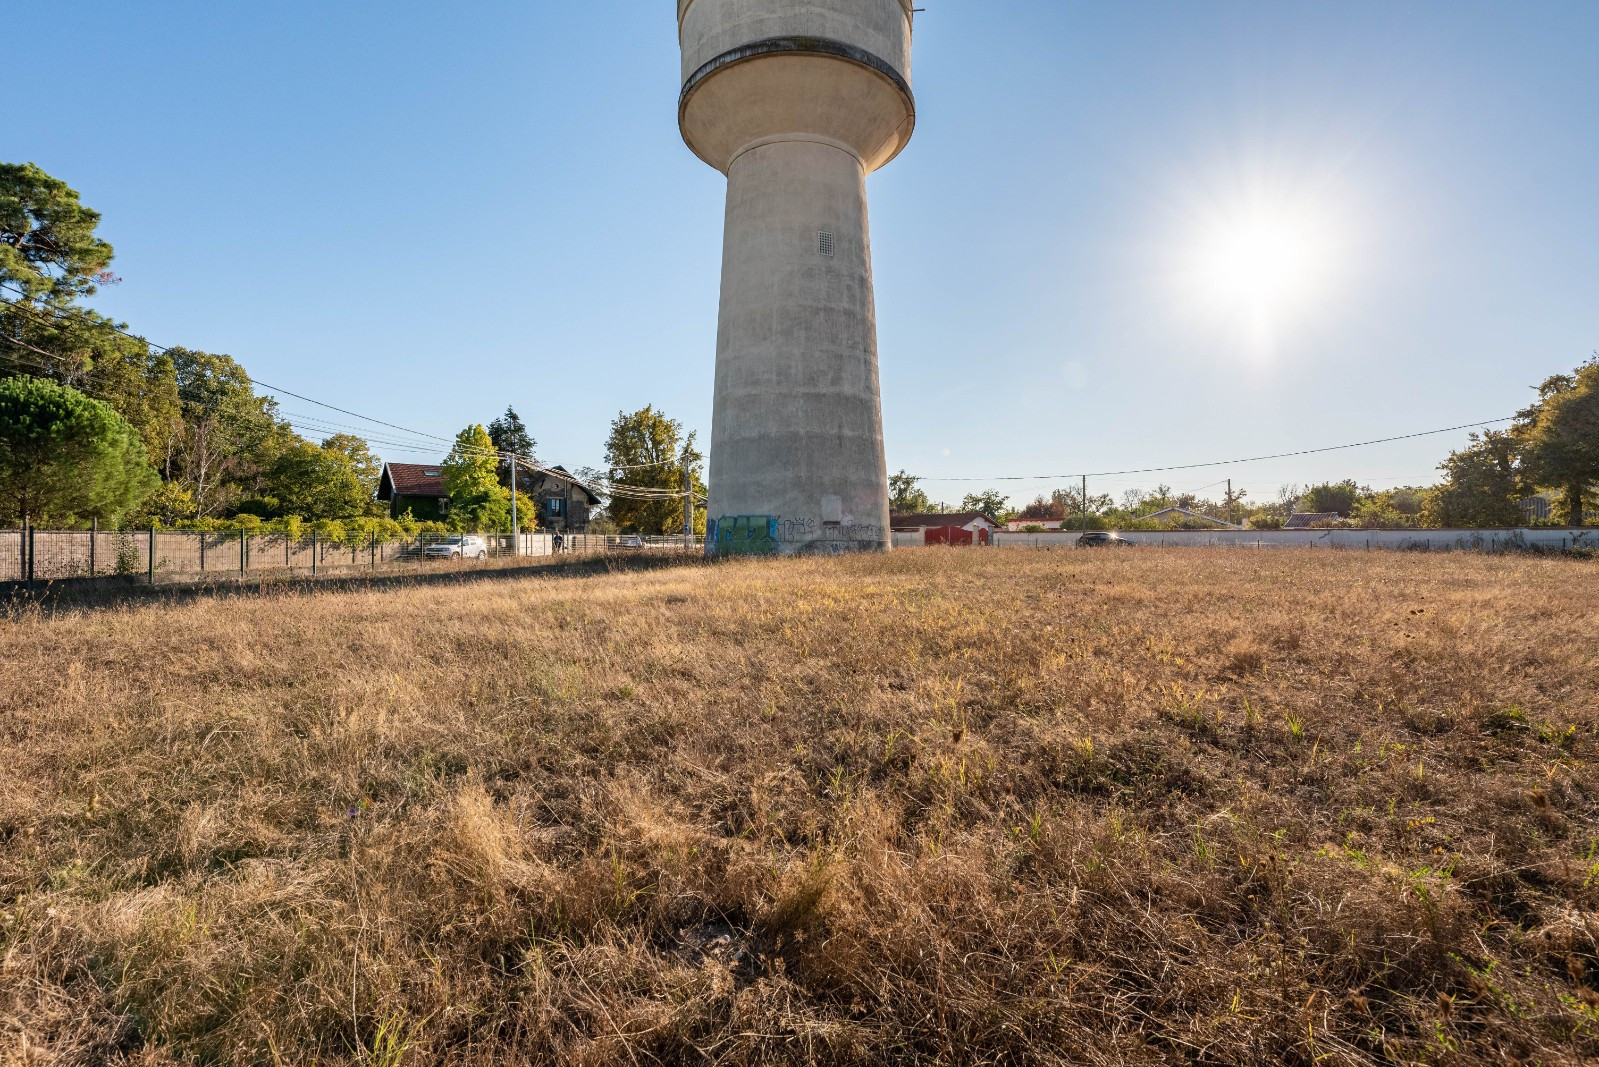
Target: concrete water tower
[[796, 101]]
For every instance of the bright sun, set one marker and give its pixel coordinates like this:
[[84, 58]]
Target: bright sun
[[1261, 251], [1260, 265]]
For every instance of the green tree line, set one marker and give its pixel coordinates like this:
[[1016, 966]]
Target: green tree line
[[1550, 452], [98, 424]]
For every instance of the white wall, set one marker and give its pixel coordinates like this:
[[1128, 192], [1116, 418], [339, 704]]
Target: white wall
[[1436, 540], [533, 544]]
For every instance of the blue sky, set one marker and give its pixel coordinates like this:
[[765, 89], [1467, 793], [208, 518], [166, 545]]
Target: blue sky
[[423, 211]]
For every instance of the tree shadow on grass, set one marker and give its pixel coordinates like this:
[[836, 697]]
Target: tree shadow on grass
[[90, 594]]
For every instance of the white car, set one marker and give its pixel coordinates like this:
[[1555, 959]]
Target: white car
[[457, 546]]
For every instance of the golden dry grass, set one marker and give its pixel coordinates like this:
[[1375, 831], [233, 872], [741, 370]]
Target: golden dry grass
[[1004, 807]]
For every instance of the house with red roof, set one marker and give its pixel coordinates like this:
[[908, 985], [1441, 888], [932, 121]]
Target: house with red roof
[[947, 528], [414, 487], [560, 500]]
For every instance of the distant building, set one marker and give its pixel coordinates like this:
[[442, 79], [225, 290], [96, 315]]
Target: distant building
[[1536, 508], [559, 500], [564, 504], [948, 528], [1174, 514], [1304, 520], [414, 487], [1015, 525], [1541, 508]]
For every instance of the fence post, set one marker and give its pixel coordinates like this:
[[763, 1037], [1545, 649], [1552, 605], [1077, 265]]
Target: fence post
[[201, 536], [152, 553], [372, 551], [314, 553], [29, 551], [244, 551], [94, 537], [288, 546]]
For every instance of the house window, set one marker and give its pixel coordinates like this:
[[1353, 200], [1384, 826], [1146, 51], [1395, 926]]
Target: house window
[[555, 507], [431, 474]]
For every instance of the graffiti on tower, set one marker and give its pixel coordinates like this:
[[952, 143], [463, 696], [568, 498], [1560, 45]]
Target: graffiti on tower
[[744, 535]]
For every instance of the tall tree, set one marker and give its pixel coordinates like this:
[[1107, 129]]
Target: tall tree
[[1560, 438], [648, 454], [79, 348], [1390, 509], [48, 247], [317, 483], [1339, 497], [50, 257], [229, 438], [1068, 504], [992, 503], [368, 468], [196, 414], [66, 458], [477, 500], [1482, 485], [905, 496], [1042, 507], [510, 435]]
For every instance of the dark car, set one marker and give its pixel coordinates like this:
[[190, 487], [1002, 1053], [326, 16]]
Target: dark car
[[1096, 538]]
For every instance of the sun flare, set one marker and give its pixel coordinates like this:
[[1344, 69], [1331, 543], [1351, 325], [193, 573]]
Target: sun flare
[[1259, 264], [1262, 261]]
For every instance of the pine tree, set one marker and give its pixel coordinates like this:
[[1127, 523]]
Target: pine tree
[[509, 434]]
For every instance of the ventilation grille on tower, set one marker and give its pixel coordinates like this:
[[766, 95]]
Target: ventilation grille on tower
[[824, 243]]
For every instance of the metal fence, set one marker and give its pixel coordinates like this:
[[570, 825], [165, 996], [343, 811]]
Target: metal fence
[[34, 555]]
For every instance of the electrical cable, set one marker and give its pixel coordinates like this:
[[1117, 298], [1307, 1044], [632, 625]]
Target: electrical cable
[[425, 445], [28, 309], [607, 486], [1223, 462], [268, 386]]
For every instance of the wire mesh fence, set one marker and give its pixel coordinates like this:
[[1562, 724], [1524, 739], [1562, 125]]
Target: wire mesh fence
[[34, 555]]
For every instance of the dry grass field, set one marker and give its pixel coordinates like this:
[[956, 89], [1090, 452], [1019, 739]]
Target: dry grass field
[[953, 807]]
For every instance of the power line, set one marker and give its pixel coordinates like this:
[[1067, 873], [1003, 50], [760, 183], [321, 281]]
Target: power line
[[642, 492], [607, 486], [1224, 462], [424, 443], [60, 317], [641, 466]]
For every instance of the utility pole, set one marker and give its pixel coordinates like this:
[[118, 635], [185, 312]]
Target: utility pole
[[1229, 500], [688, 503], [1085, 503], [516, 531]]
